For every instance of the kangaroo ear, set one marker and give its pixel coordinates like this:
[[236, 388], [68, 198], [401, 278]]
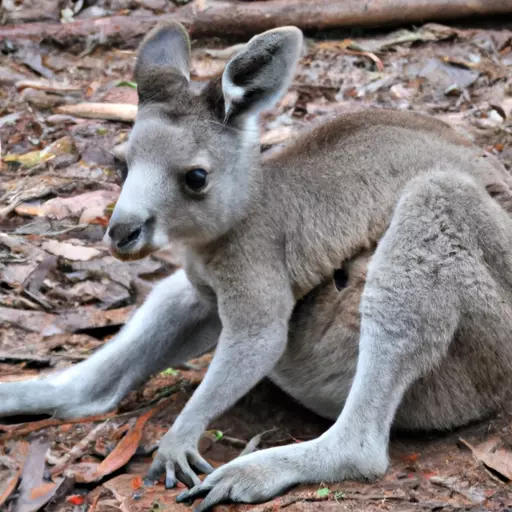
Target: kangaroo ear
[[164, 51], [257, 77]]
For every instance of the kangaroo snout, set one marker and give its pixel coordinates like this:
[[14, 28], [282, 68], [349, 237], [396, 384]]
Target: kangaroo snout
[[129, 238], [124, 235]]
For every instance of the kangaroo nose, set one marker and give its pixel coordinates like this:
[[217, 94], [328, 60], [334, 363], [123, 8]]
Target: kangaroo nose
[[124, 235]]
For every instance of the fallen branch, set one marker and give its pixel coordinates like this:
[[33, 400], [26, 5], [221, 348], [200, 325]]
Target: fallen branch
[[243, 19]]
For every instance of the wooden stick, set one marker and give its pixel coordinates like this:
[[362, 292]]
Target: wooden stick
[[110, 111]]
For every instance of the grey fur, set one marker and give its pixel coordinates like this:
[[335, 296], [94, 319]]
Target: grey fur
[[419, 218]]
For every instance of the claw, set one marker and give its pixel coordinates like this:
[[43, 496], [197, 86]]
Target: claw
[[199, 491], [170, 481], [200, 464], [185, 478], [212, 498], [184, 498], [155, 470]]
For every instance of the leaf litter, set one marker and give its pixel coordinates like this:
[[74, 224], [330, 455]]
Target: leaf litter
[[62, 296]]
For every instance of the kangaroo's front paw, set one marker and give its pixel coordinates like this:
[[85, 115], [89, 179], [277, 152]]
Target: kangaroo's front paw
[[252, 478], [177, 458]]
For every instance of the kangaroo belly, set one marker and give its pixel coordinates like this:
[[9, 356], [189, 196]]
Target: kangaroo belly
[[320, 361]]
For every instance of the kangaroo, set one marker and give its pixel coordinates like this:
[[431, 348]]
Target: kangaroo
[[413, 333]]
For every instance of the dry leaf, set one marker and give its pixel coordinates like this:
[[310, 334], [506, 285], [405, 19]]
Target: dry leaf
[[128, 445], [91, 207], [67, 321], [63, 146], [92, 472], [493, 454], [71, 251], [21, 450], [11, 485], [34, 491], [121, 487]]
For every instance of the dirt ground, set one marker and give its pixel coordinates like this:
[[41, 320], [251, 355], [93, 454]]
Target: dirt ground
[[62, 295]]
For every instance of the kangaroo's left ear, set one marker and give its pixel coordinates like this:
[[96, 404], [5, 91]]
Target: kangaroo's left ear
[[257, 77], [165, 51]]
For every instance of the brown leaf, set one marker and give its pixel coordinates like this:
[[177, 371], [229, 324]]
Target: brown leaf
[[75, 206], [34, 492], [82, 472], [24, 260], [106, 291], [33, 60], [68, 321], [121, 487], [81, 448], [127, 447], [38, 496], [21, 451], [71, 251], [494, 455], [11, 485]]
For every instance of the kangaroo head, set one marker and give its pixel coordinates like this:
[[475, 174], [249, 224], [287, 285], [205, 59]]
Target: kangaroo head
[[193, 159]]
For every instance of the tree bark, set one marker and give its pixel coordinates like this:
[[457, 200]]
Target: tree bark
[[244, 19]]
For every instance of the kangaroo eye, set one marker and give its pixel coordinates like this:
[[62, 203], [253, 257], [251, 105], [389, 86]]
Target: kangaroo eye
[[196, 179]]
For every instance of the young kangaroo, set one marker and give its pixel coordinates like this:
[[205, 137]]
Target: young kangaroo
[[420, 335]]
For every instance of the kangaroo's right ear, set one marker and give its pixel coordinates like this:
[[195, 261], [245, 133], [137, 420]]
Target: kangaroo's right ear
[[257, 77], [164, 51]]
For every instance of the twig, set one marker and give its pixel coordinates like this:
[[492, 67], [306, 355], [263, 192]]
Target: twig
[[79, 450], [47, 85], [109, 111], [255, 441], [233, 441]]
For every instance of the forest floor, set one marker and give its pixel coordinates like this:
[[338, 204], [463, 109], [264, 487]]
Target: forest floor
[[62, 295]]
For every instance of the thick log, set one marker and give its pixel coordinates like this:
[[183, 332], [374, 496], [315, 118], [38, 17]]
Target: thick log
[[243, 19]]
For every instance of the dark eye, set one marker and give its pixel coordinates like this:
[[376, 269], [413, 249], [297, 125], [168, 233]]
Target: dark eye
[[196, 179]]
